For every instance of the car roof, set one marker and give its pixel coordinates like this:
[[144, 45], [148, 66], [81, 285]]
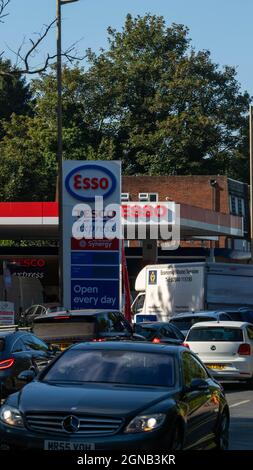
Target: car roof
[[73, 313], [204, 313], [232, 324], [153, 323], [9, 332], [128, 346]]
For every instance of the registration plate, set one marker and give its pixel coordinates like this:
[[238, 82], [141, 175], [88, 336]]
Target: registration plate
[[66, 445], [215, 366]]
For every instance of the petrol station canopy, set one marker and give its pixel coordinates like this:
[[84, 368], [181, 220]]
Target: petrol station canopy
[[39, 220]]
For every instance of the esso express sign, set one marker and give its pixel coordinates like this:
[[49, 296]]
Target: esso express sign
[[90, 180]]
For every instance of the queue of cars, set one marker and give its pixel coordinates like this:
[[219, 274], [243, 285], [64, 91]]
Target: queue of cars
[[111, 388]]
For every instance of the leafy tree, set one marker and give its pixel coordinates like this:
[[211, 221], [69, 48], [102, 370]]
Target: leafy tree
[[15, 95], [168, 108]]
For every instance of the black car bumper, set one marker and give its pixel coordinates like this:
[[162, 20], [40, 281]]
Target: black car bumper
[[21, 438]]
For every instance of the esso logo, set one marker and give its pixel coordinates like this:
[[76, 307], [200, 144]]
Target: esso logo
[[87, 181], [145, 212]]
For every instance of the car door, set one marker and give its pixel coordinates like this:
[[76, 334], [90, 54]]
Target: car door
[[22, 361], [38, 350], [201, 407]]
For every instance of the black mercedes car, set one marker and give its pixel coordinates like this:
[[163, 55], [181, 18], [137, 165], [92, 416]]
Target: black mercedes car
[[118, 395]]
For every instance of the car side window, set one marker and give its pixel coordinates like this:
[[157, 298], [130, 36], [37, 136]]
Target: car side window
[[192, 369], [35, 344], [225, 317], [18, 346], [250, 332]]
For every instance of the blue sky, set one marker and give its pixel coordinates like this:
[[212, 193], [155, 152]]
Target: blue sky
[[222, 26]]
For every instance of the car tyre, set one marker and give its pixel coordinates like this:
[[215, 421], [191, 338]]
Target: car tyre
[[249, 383], [222, 436]]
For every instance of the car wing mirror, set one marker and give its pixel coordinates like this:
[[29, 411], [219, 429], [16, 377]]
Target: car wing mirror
[[27, 375], [198, 384]]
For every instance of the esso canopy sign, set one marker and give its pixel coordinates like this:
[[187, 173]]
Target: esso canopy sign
[[90, 180]]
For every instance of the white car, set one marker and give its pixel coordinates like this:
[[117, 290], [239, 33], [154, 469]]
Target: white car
[[225, 347]]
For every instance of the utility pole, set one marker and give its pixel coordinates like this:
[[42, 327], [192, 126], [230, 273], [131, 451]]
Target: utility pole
[[251, 178], [59, 4], [59, 147]]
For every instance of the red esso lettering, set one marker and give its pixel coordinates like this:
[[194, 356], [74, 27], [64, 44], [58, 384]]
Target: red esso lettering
[[90, 183], [161, 212], [77, 181]]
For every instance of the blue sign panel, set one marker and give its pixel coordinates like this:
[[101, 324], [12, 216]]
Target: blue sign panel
[[89, 294], [97, 272], [81, 257]]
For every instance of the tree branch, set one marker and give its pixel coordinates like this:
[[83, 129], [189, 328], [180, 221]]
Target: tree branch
[[3, 5], [23, 59]]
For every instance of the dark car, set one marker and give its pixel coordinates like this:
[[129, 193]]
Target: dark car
[[20, 350], [184, 321], [160, 332], [66, 328], [118, 395], [244, 314]]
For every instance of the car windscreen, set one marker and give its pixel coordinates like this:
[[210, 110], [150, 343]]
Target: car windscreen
[[215, 334], [186, 323], [1, 345], [57, 329], [112, 367]]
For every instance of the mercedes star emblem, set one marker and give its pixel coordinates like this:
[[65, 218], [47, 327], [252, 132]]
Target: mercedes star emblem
[[71, 424]]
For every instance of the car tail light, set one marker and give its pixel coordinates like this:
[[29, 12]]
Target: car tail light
[[61, 317], [156, 340], [244, 349], [98, 340], [186, 345], [6, 364]]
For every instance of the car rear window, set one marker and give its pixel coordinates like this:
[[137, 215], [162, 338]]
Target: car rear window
[[215, 334], [65, 329], [112, 367], [147, 331], [186, 324]]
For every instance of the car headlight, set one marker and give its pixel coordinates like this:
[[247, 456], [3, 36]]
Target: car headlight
[[145, 423], [11, 416]]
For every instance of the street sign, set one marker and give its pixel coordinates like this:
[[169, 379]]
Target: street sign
[[91, 232], [7, 313]]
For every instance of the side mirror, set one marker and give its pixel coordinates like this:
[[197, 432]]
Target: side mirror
[[199, 384], [27, 376]]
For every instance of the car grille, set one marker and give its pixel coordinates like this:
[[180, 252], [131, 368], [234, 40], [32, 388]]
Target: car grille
[[88, 425]]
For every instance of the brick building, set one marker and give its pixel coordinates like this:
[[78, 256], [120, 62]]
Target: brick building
[[215, 193]]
